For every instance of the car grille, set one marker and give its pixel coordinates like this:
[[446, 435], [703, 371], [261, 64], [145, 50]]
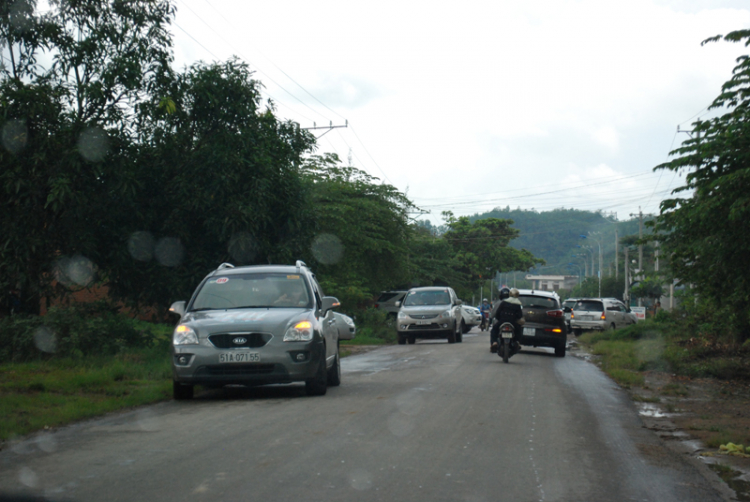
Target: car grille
[[252, 340], [425, 316], [237, 369], [423, 327]]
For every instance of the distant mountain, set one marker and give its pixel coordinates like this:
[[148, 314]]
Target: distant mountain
[[555, 235]]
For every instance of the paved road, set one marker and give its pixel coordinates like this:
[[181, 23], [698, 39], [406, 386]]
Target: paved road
[[425, 422]]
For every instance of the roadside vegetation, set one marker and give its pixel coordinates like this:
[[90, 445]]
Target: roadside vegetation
[[86, 360]]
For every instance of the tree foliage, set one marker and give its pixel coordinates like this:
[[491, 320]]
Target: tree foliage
[[704, 226], [482, 247], [361, 232]]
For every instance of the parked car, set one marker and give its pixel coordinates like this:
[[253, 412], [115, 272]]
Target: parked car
[[256, 325], [387, 302], [345, 326], [429, 312], [545, 322], [599, 314], [471, 317], [567, 307]]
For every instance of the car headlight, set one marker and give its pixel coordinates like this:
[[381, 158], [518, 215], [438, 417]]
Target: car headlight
[[402, 315], [300, 332], [446, 315], [349, 321], [184, 335]]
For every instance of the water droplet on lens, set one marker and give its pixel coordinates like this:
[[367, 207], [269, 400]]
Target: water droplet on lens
[[400, 425], [75, 271], [327, 249], [93, 144], [147, 420], [169, 251], [15, 135], [141, 246], [45, 340], [242, 248], [47, 443], [29, 478], [360, 479]]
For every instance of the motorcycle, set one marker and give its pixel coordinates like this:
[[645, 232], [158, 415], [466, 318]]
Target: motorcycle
[[485, 324], [507, 345]]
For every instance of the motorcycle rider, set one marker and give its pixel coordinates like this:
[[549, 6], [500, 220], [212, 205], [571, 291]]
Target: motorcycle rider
[[507, 309]]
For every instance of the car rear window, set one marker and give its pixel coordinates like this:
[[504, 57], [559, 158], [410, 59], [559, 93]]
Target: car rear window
[[384, 297], [539, 302], [569, 303], [589, 305]]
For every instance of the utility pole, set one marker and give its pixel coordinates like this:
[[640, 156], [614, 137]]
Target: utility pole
[[640, 237], [617, 265], [656, 253], [627, 281]]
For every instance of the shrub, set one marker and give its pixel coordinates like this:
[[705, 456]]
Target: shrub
[[74, 331]]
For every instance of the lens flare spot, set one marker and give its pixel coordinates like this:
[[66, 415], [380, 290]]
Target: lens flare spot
[[327, 249], [141, 246], [242, 247], [45, 340], [75, 271], [93, 144], [360, 479], [27, 477], [169, 251], [15, 135]]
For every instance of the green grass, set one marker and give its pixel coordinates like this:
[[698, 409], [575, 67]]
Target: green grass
[[51, 393]]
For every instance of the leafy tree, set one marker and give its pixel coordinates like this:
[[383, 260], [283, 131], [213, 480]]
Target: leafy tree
[[482, 247], [704, 228], [67, 145], [361, 229], [217, 180]]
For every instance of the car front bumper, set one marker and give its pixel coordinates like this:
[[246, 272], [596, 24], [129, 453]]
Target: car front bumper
[[290, 362]]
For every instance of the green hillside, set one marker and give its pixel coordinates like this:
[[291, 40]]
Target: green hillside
[[555, 235]]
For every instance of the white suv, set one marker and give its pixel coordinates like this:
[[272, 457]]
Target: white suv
[[599, 314]]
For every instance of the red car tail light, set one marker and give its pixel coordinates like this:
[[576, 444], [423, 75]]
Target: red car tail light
[[603, 317], [553, 330], [557, 314]]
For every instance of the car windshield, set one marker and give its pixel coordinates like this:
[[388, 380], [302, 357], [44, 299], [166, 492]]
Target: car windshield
[[589, 305], [415, 298], [539, 302], [268, 290]]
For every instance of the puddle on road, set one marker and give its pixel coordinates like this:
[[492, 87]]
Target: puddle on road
[[734, 479], [652, 411]]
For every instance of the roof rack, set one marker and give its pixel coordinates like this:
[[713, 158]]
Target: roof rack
[[225, 265]]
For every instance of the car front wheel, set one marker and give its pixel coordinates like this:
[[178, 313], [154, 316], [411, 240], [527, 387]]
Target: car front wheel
[[334, 374], [318, 385]]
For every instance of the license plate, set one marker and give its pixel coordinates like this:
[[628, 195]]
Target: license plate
[[424, 322], [586, 318], [507, 334], [239, 357], [529, 332]]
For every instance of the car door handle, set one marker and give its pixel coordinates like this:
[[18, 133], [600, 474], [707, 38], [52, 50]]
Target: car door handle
[[332, 321]]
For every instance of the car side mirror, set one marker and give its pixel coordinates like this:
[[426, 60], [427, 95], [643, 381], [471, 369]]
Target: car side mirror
[[328, 302], [397, 304], [459, 302], [178, 308]]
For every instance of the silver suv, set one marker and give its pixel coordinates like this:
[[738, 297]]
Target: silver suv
[[256, 325], [599, 314], [431, 312]]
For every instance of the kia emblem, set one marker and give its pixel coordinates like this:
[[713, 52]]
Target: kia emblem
[[239, 341]]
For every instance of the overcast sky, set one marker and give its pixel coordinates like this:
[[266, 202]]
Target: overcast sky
[[470, 105]]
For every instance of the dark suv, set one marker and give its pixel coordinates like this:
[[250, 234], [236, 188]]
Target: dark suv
[[545, 322], [256, 325]]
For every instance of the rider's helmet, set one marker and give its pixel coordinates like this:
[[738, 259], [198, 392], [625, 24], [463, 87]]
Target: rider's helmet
[[504, 293], [484, 300], [514, 293]]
